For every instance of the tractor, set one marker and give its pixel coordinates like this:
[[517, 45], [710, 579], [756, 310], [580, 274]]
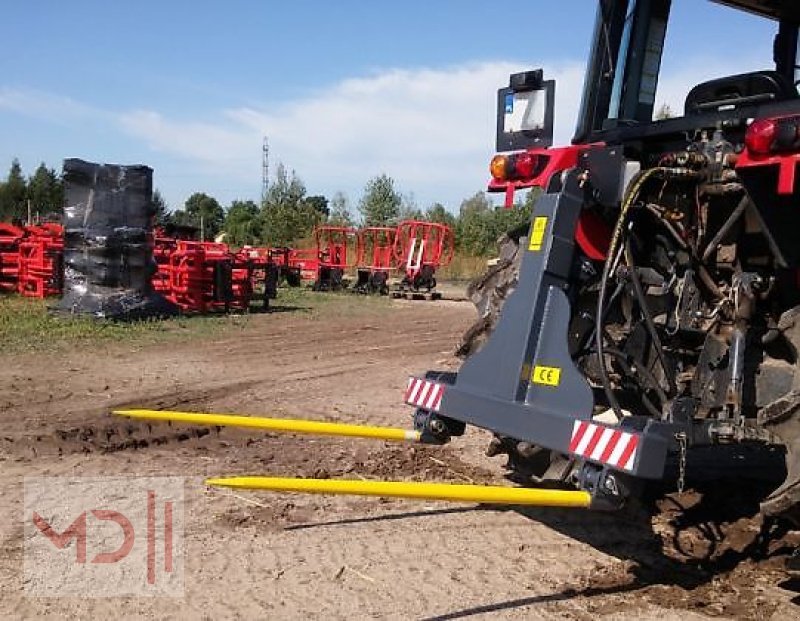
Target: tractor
[[644, 330]]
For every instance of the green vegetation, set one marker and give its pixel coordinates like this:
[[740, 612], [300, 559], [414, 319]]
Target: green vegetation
[[380, 204], [42, 193], [202, 211], [27, 326]]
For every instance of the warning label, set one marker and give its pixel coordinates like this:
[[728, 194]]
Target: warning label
[[548, 376], [538, 230]]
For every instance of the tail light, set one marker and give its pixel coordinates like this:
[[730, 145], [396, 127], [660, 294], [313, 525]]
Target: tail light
[[772, 136], [516, 166]]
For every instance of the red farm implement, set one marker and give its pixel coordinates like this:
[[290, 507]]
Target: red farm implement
[[10, 238], [279, 258], [374, 259], [163, 248], [32, 259], [205, 277], [333, 245], [420, 248], [306, 262], [41, 260]]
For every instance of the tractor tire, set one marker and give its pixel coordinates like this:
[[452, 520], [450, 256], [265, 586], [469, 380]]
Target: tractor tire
[[489, 292], [782, 417], [527, 464]]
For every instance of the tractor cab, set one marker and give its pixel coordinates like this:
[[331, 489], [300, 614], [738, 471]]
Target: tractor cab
[[619, 96]]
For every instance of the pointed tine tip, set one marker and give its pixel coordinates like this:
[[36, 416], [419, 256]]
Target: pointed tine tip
[[128, 412]]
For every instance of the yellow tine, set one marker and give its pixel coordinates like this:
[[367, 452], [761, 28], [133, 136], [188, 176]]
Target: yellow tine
[[428, 491], [276, 424]]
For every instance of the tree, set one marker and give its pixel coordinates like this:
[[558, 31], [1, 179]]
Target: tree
[[45, 191], [203, 211], [285, 190], [286, 214], [13, 194], [409, 209], [380, 204], [438, 213], [339, 214], [161, 215], [242, 224], [320, 203], [475, 203]]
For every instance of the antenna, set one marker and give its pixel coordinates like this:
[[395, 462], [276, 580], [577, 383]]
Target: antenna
[[264, 169]]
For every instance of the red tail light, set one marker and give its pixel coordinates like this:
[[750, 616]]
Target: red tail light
[[524, 165], [516, 166], [777, 135], [760, 136]]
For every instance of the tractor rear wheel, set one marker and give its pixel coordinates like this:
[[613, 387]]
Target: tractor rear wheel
[[489, 291], [527, 464]]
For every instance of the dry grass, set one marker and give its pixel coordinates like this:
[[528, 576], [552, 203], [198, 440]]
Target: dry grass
[[463, 267]]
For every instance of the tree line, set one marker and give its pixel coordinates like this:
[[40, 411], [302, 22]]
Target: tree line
[[42, 194], [288, 213]]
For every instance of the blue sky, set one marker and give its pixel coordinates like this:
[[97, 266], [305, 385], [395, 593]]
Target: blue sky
[[345, 90]]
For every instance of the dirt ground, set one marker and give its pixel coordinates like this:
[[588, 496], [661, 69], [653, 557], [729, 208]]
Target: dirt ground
[[263, 555]]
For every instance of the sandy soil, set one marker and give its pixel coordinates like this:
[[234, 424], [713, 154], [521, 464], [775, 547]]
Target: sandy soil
[[291, 556]]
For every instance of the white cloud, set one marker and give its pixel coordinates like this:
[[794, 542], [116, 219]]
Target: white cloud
[[44, 106], [205, 142], [432, 130]]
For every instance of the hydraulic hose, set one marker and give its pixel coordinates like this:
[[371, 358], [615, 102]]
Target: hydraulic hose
[[631, 195]]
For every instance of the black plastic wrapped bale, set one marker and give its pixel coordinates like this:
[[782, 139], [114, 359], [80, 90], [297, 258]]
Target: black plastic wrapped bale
[[108, 256]]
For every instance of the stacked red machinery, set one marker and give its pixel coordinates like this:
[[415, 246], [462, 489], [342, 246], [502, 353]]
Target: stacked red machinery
[[420, 248], [41, 260], [202, 277], [10, 238], [31, 259], [163, 247]]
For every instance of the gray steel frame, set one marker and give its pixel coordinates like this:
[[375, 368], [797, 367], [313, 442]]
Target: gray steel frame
[[494, 387]]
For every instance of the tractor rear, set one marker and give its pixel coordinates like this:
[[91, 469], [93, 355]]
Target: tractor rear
[[643, 332]]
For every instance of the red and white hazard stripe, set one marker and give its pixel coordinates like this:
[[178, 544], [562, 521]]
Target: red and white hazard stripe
[[606, 445], [424, 393]]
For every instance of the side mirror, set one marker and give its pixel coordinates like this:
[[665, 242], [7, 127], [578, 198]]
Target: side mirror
[[525, 112]]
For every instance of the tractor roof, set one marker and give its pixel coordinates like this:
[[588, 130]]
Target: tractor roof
[[776, 9]]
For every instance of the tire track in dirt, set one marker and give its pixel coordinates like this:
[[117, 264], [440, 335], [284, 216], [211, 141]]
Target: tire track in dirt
[[294, 556]]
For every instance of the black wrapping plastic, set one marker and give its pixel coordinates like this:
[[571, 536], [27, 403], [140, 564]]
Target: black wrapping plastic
[[108, 258]]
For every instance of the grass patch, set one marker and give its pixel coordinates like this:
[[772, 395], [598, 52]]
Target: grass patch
[[27, 326], [462, 267]]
